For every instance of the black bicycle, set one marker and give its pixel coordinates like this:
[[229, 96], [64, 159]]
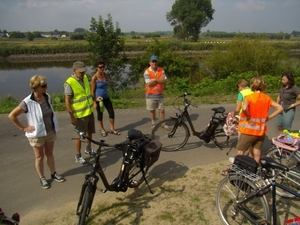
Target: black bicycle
[[139, 153], [174, 132], [241, 195]]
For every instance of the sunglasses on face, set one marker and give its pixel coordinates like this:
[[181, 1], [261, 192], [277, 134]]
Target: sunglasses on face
[[44, 86]]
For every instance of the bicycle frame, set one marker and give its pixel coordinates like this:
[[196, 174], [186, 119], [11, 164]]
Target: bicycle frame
[[202, 134], [122, 181], [250, 215]]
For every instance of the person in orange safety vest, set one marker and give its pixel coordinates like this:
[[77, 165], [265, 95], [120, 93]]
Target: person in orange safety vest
[[252, 124], [155, 79]]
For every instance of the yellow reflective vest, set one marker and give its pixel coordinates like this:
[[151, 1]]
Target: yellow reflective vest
[[244, 93], [82, 102]]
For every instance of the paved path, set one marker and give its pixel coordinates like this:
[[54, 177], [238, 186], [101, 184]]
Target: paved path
[[20, 189]]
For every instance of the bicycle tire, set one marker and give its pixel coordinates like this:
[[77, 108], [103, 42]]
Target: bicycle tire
[[232, 189], [289, 179], [284, 157], [136, 177], [222, 140], [85, 206], [177, 141]]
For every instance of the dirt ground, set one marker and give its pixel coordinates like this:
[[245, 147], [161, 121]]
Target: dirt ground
[[187, 197]]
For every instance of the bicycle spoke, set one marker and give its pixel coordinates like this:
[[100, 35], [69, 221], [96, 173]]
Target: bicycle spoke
[[231, 190], [172, 139], [222, 140]]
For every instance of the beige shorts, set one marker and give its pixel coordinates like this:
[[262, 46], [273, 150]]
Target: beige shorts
[[152, 104], [245, 141], [40, 141]]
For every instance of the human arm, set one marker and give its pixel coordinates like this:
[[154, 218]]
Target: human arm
[[93, 86], [296, 103], [13, 116], [278, 99], [278, 109], [68, 99]]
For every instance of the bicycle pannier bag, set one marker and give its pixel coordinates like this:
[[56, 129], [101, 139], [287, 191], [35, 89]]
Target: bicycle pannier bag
[[152, 152], [246, 162]]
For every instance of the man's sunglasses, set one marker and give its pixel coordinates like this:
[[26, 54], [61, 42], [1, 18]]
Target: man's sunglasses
[[44, 86]]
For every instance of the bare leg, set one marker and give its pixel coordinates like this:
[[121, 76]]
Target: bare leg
[[101, 125], [162, 114], [39, 160], [256, 155], [90, 135], [78, 145], [152, 115], [112, 124], [49, 154]]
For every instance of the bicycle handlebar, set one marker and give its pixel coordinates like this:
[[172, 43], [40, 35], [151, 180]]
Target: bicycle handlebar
[[83, 136], [186, 101]]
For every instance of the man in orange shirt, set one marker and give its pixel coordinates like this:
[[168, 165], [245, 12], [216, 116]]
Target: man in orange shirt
[[155, 79]]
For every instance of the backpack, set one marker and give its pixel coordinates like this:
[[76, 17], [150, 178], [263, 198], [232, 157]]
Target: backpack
[[231, 125]]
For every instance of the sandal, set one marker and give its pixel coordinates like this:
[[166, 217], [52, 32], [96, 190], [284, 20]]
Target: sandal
[[224, 172], [115, 132], [103, 133]]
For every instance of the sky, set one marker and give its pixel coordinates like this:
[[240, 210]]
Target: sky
[[270, 16]]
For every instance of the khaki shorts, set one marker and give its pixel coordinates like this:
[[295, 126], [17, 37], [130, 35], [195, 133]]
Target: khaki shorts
[[245, 141], [86, 124], [152, 104], [40, 141]]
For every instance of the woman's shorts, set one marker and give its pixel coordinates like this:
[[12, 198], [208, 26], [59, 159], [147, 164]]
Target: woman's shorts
[[40, 141]]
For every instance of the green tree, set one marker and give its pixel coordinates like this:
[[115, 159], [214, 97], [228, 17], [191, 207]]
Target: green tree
[[79, 30], [105, 43], [30, 36], [189, 16]]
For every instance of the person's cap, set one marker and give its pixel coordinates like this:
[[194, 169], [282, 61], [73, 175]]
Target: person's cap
[[154, 57], [79, 66]]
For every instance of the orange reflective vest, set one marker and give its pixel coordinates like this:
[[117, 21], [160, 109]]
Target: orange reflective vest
[[258, 108], [158, 88]]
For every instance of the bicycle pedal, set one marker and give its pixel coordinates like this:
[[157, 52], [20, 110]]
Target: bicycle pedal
[[102, 190]]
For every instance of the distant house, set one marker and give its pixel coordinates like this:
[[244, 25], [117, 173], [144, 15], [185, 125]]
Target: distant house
[[46, 35]]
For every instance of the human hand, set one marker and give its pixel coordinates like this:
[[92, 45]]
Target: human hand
[[98, 99], [29, 129]]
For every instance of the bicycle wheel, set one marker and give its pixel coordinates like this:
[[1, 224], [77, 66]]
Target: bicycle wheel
[[85, 206], [235, 188], [173, 138], [289, 179], [222, 140], [285, 157], [136, 172]]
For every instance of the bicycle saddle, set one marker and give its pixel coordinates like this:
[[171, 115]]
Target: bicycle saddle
[[219, 109], [268, 162], [134, 134]]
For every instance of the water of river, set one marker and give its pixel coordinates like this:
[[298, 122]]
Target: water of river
[[14, 77]]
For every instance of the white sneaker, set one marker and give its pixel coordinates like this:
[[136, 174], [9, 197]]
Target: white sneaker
[[81, 161], [152, 126], [166, 127], [231, 159]]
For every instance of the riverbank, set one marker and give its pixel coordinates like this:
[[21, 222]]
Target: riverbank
[[84, 56]]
